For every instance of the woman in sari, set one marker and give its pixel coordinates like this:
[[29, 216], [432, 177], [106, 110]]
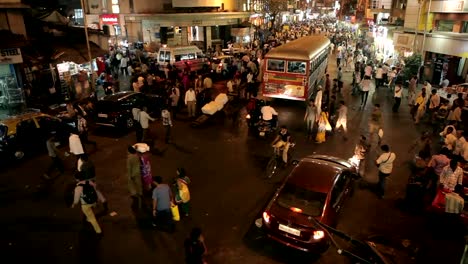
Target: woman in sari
[[323, 126]]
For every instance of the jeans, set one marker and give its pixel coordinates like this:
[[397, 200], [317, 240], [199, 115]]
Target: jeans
[[364, 95], [138, 131], [381, 183], [56, 164], [397, 104], [310, 125], [164, 219], [167, 128]]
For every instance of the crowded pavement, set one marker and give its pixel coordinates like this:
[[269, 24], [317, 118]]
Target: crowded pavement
[[225, 164]]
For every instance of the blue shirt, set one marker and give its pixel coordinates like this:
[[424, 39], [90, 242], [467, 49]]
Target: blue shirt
[[162, 194]]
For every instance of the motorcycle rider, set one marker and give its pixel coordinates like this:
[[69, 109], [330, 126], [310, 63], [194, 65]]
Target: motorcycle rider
[[267, 114], [282, 140]]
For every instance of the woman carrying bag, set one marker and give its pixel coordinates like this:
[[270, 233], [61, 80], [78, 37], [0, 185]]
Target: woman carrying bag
[[183, 193]]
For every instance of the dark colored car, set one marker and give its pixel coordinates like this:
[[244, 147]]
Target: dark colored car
[[116, 110], [315, 190], [26, 134]]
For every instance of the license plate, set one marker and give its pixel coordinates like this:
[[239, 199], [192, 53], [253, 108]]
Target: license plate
[[102, 115], [289, 230]]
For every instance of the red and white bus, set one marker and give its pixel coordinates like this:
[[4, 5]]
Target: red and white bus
[[293, 70]]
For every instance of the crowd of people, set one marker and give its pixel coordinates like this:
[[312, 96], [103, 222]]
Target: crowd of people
[[327, 112]]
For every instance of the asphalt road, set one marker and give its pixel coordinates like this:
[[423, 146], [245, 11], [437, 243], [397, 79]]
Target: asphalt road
[[228, 193]]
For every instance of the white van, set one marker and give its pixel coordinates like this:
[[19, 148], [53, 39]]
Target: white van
[[178, 56]]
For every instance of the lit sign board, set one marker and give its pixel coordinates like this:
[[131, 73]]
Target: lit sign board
[[453, 6], [110, 19]]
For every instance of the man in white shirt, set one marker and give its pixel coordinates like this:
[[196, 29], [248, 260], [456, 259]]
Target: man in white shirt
[[144, 122], [427, 85], [445, 83], [385, 163], [124, 65], [207, 83], [190, 101], [459, 144], [268, 112], [450, 139], [397, 95], [136, 124], [378, 76]]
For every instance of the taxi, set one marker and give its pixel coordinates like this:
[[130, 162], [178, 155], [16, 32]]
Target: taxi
[[27, 133]]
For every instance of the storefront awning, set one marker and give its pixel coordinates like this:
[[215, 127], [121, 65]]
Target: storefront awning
[[78, 53]]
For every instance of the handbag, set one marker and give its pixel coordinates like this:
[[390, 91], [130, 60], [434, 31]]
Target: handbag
[[175, 212]]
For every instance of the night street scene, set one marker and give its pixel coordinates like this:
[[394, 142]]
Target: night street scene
[[240, 131]]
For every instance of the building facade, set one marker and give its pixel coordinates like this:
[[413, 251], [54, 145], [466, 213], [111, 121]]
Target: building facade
[[439, 31], [173, 22], [13, 35]]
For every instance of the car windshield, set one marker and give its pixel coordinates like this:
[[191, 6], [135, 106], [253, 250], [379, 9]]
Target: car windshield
[[311, 203]]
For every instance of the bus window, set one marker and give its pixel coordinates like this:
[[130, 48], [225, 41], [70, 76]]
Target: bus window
[[167, 56], [191, 56], [276, 65], [161, 56], [296, 67]]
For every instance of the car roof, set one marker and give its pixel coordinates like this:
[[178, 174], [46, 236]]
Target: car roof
[[318, 172], [13, 121], [118, 96]]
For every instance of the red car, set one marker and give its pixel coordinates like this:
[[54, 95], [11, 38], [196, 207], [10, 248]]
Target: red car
[[316, 189]]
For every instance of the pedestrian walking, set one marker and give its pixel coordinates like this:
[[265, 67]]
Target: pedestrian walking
[[56, 161], [385, 164], [190, 101], [309, 118], [162, 198], [365, 87], [135, 186], [318, 100], [145, 165], [144, 122], [397, 96], [174, 97], [339, 78], [167, 124], [76, 148], [182, 197], [342, 120], [136, 123], [195, 248], [86, 194], [420, 106], [85, 168], [323, 126], [375, 124]]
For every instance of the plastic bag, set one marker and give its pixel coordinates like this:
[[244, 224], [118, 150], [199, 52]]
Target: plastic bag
[[175, 212]]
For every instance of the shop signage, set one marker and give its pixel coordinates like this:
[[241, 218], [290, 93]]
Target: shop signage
[[10, 56], [452, 6], [110, 19]]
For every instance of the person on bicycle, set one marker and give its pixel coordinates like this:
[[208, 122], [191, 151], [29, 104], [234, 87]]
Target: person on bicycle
[[269, 114], [282, 141]]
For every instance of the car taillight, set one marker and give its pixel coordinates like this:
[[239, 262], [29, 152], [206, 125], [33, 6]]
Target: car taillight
[[296, 210], [318, 234], [266, 217]]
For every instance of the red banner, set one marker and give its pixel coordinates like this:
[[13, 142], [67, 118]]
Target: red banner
[[110, 19]]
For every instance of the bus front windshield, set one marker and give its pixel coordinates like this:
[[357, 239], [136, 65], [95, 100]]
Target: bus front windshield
[[297, 67], [276, 65]]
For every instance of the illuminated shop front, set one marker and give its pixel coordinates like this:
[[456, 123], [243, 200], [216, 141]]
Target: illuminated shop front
[[11, 92]]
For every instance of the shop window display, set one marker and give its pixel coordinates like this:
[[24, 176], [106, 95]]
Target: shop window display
[[10, 93]]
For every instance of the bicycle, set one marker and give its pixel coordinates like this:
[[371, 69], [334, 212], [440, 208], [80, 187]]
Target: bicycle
[[276, 161]]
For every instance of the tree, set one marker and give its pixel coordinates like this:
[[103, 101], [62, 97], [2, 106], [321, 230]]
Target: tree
[[412, 65], [273, 8]]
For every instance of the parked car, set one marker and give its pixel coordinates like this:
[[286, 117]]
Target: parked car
[[315, 190], [116, 110], [26, 134], [221, 66]]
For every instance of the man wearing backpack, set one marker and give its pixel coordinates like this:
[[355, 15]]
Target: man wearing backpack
[[87, 195]]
